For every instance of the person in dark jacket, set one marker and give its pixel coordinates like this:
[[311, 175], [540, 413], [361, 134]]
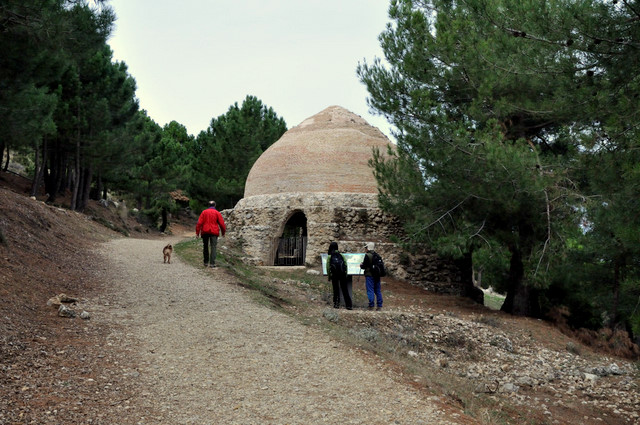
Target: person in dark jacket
[[339, 283], [210, 226], [374, 291]]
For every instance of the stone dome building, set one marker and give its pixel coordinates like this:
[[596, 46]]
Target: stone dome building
[[328, 153], [314, 186], [311, 187]]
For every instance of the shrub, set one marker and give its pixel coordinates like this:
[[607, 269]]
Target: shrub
[[488, 320], [616, 342], [573, 348], [368, 334], [455, 340], [331, 316]]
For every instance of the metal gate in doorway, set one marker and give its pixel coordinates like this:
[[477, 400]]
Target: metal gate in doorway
[[291, 251]]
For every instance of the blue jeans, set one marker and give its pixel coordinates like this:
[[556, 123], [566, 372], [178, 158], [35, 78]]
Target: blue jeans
[[206, 240], [374, 291]]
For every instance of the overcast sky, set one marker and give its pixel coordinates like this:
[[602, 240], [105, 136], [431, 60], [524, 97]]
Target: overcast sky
[[192, 59]]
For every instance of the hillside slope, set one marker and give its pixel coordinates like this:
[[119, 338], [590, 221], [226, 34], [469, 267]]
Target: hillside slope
[[46, 251]]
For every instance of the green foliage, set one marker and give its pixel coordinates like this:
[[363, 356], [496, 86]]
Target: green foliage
[[31, 36], [162, 167], [492, 262], [62, 98], [224, 154], [629, 309], [196, 205], [30, 117], [501, 107]]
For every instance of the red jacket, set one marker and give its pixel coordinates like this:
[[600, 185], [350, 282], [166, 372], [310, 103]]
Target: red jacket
[[211, 223]]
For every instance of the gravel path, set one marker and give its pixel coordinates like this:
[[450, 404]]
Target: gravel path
[[208, 354]]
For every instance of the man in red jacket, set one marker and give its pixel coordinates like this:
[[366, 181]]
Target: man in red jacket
[[210, 226]]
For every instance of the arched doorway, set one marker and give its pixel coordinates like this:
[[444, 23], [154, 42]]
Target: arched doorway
[[292, 244]]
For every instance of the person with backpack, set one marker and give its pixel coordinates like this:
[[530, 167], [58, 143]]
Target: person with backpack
[[337, 274], [373, 269]]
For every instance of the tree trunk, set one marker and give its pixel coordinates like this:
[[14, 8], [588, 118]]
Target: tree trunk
[[98, 191], [61, 173], [517, 300], [67, 178], [50, 175], [58, 171], [2, 146], [77, 179], [465, 266], [39, 168], [36, 170], [165, 220], [617, 272], [6, 164], [86, 188]]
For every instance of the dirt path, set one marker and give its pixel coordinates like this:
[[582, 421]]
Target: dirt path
[[208, 354]]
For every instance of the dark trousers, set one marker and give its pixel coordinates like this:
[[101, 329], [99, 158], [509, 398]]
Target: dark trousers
[[338, 286], [209, 257]]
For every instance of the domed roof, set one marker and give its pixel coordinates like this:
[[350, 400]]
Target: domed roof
[[328, 152]]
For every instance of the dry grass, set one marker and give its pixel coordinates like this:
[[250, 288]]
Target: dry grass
[[608, 341]]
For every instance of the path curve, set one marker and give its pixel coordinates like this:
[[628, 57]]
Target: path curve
[[208, 354]]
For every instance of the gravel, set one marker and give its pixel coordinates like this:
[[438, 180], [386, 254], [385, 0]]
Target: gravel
[[206, 353]]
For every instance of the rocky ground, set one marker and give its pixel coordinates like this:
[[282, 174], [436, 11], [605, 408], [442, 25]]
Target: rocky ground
[[457, 354], [505, 369], [500, 360]]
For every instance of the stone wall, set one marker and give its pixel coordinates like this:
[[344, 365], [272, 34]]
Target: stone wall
[[349, 219]]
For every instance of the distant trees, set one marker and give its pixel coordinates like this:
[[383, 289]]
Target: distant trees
[[163, 168], [213, 165], [224, 153], [517, 128]]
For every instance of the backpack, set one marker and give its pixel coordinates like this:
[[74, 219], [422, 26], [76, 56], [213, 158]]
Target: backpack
[[377, 265], [337, 265]]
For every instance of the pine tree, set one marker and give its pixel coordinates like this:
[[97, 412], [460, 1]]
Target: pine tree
[[226, 151], [495, 103]]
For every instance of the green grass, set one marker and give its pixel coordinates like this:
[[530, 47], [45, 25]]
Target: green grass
[[493, 301], [190, 250], [250, 277]]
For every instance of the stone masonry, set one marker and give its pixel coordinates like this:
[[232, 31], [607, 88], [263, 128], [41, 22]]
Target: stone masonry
[[257, 221], [320, 169]]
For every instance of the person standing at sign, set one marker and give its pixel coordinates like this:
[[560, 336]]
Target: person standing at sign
[[337, 274], [374, 291]]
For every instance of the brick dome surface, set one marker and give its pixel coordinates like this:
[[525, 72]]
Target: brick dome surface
[[328, 152]]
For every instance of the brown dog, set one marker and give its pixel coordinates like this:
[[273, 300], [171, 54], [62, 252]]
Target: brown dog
[[166, 251]]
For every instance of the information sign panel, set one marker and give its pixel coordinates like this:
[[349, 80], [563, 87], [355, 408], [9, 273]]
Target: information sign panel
[[353, 262]]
